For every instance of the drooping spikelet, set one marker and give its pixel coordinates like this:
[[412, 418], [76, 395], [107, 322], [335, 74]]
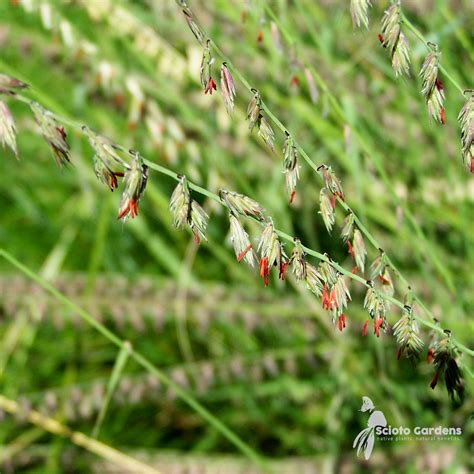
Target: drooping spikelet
[[53, 133], [466, 121], [227, 87], [9, 83], [107, 163], [360, 12], [432, 87], [256, 118], [358, 247], [7, 128], [240, 241], [198, 220], [290, 166], [240, 204], [331, 181], [135, 181], [444, 359], [207, 61], [193, 26], [297, 261], [394, 40], [180, 203], [377, 309], [314, 280], [406, 332], [326, 209], [271, 254]]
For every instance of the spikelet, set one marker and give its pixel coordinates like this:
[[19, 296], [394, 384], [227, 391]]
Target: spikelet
[[180, 203], [265, 131], [297, 261], [444, 359], [314, 280], [466, 121], [377, 309], [406, 332], [7, 129], [290, 166], [107, 163], [240, 241], [135, 181], [254, 110], [326, 209], [270, 251], [240, 204], [53, 133], [207, 61], [331, 181], [227, 88], [347, 227], [432, 87], [359, 12], [358, 247], [394, 40], [9, 83], [198, 220]]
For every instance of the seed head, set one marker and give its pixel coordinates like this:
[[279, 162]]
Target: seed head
[[314, 280], [376, 306], [359, 12], [466, 121], [7, 129], [290, 166], [180, 203], [271, 253], [406, 332], [298, 262], [207, 81], [241, 242], [326, 209], [394, 40], [432, 87], [53, 133], [198, 220], [360, 252], [240, 204], [331, 181], [265, 131], [227, 88], [254, 110], [134, 186], [444, 359], [347, 227], [7, 83], [107, 163]]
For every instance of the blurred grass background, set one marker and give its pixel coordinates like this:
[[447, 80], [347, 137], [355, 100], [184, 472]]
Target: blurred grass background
[[267, 362]]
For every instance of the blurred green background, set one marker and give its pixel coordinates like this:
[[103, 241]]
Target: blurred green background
[[267, 362]]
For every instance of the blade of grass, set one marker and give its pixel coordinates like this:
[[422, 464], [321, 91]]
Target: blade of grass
[[119, 366]]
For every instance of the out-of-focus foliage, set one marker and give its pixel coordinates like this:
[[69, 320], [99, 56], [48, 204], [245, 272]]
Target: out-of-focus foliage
[[268, 362]]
